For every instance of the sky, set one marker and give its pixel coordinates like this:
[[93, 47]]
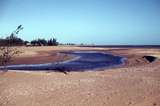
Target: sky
[[102, 22]]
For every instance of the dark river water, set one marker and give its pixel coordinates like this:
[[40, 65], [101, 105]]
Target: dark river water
[[83, 61]]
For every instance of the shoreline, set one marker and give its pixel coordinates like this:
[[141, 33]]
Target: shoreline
[[76, 63], [41, 56]]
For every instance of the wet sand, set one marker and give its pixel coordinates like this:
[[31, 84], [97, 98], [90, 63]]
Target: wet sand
[[137, 83]]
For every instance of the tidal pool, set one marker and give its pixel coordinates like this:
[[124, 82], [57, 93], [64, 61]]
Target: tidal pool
[[82, 61]]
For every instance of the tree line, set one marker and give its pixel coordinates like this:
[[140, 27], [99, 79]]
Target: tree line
[[44, 42], [14, 40]]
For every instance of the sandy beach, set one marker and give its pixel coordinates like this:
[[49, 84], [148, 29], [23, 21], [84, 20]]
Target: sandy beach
[[135, 83]]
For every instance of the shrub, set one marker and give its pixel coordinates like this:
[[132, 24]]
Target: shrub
[[6, 55]]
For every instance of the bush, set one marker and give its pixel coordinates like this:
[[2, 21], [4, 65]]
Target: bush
[[6, 55]]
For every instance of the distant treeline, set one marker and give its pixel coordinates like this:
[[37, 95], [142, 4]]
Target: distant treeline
[[13, 40], [44, 42]]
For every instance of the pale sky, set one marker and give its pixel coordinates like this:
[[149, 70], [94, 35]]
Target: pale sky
[[84, 21]]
